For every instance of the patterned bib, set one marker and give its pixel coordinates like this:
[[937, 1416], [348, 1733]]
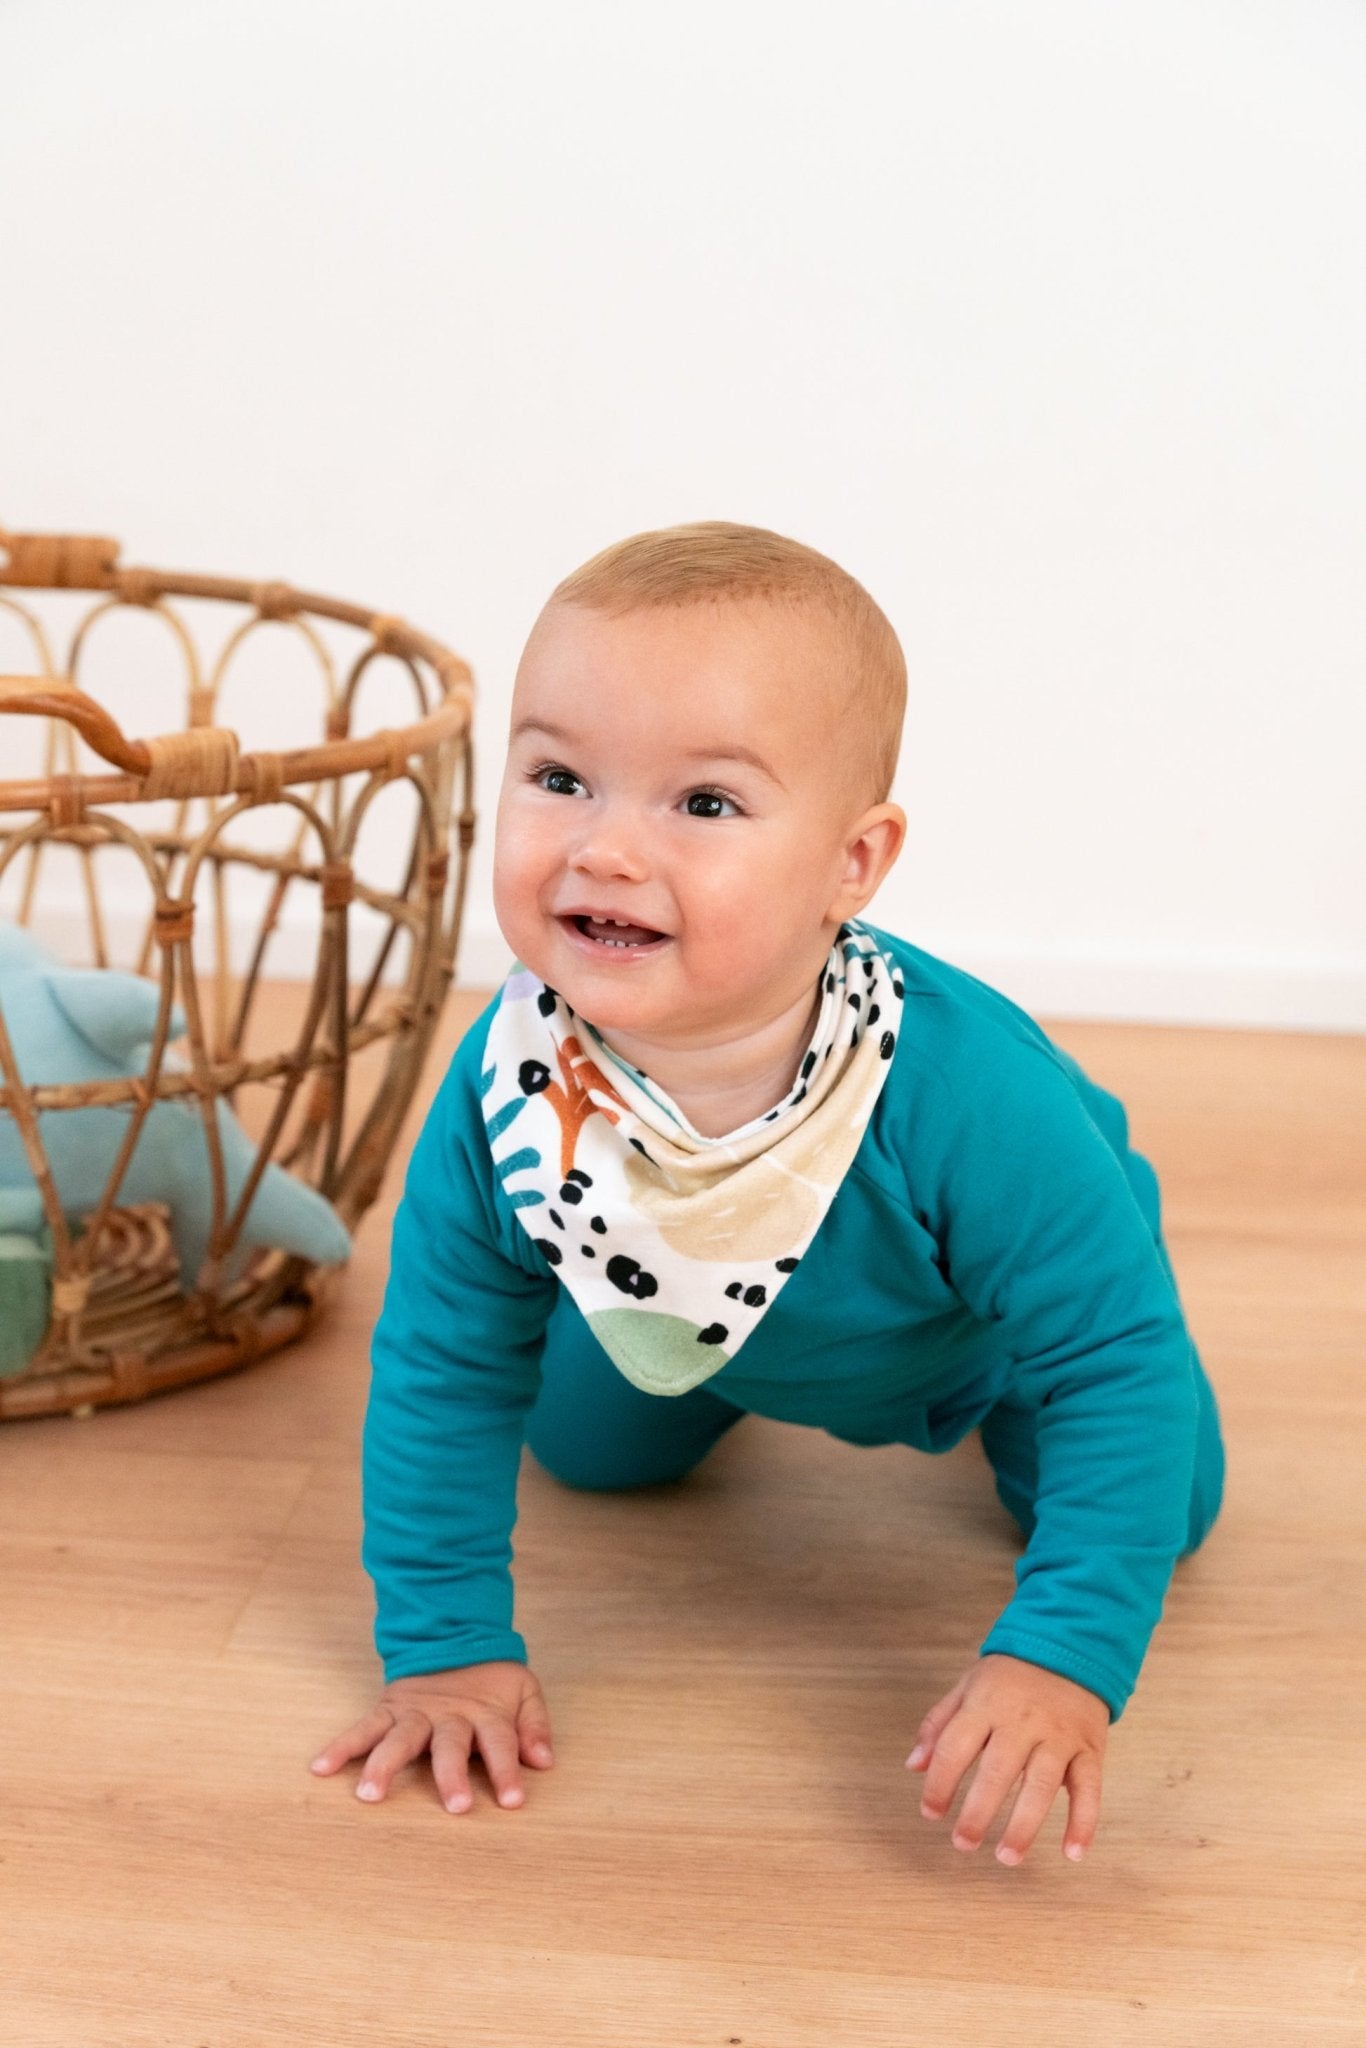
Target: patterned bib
[[674, 1245]]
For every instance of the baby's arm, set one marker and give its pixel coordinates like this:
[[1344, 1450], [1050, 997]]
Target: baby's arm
[[456, 1365], [1042, 1236]]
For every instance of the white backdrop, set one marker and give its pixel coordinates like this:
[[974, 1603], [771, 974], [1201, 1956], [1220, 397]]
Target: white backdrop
[[1046, 321]]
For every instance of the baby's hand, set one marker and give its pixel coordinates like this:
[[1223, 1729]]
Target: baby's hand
[[498, 1707], [1020, 1718]]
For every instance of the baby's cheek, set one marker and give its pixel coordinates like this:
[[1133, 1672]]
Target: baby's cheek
[[515, 907], [727, 953], [523, 857]]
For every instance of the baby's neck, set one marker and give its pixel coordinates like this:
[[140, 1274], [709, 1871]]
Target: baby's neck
[[720, 1087]]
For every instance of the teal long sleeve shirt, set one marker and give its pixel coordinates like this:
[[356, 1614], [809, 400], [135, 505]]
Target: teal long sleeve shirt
[[996, 1239]]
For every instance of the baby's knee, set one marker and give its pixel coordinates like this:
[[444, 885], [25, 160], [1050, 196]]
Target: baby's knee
[[587, 1469], [1207, 1487], [1207, 1497]]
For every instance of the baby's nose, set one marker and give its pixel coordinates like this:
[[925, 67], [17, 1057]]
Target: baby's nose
[[610, 848], [611, 838]]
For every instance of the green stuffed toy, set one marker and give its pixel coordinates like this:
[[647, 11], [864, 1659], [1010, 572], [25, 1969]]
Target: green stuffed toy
[[25, 1277]]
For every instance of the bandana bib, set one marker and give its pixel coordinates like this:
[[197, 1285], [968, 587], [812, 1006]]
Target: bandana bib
[[673, 1244]]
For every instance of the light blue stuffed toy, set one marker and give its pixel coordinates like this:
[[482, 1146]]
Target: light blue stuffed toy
[[92, 1024]]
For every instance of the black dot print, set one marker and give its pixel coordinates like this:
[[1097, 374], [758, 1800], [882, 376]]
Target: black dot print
[[533, 1076], [596, 1223], [829, 984], [588, 1251], [556, 1218], [552, 1251], [899, 990], [545, 1001], [874, 1013], [787, 1265], [807, 1064], [886, 1044], [715, 1333], [631, 1278], [752, 1297], [855, 1002]]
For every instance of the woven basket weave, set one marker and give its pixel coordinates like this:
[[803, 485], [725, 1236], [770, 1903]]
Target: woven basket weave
[[124, 1323]]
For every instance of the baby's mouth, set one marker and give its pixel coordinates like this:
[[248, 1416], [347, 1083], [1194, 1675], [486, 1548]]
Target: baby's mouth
[[610, 932]]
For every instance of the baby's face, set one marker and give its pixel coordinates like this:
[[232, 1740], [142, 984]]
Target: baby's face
[[673, 818]]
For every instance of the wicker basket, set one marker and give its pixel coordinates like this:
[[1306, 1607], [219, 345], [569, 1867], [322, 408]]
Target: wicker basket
[[124, 1323]]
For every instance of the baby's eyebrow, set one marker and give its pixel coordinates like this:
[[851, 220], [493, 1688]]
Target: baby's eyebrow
[[552, 732], [733, 753], [726, 752]]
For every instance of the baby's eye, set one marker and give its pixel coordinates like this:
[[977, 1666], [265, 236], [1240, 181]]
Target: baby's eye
[[557, 781], [706, 803]]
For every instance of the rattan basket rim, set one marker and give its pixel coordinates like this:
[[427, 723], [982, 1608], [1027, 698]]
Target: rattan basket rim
[[206, 760]]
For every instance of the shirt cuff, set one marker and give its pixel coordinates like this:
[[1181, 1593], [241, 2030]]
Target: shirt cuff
[[498, 1646]]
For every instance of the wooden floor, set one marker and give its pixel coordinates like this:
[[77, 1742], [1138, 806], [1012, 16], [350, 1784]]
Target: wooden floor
[[728, 1851]]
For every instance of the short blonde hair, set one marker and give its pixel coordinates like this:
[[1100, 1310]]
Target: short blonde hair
[[715, 560]]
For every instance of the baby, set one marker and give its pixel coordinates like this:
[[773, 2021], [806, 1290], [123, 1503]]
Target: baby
[[720, 1148]]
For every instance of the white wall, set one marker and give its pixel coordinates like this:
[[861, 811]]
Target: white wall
[[1047, 321]]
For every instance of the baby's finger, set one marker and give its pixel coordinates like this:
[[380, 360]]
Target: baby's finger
[[451, 1739], [533, 1733], [1043, 1776], [957, 1746], [933, 1725], [1083, 1811], [408, 1737], [354, 1741], [498, 1747], [1002, 1761]]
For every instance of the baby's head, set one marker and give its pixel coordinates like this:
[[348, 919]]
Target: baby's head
[[705, 725]]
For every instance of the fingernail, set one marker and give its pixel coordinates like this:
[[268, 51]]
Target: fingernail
[[543, 1750], [917, 1756], [1005, 1855], [1075, 1851], [512, 1797], [457, 1803], [367, 1791], [930, 1812], [319, 1763]]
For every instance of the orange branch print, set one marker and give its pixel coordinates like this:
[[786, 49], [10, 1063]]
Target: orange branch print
[[571, 1101]]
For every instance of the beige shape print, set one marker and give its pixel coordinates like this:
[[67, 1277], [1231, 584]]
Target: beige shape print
[[761, 1209]]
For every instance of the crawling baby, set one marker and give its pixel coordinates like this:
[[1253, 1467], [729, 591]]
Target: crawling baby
[[720, 1147]]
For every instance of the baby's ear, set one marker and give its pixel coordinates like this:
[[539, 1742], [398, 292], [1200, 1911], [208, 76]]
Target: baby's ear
[[874, 841]]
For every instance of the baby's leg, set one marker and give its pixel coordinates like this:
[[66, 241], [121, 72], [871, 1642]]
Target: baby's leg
[[1010, 1442], [591, 1428]]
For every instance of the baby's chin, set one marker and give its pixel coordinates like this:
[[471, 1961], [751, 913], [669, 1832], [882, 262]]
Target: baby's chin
[[640, 1012], [621, 986]]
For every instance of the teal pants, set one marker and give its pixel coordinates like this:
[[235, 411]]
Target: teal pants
[[591, 1428]]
